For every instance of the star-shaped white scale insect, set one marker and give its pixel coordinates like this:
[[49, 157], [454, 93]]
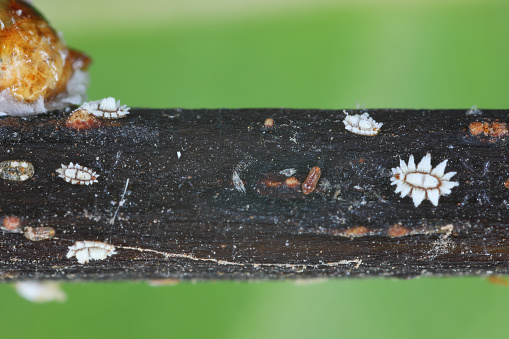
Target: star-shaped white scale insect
[[422, 181]]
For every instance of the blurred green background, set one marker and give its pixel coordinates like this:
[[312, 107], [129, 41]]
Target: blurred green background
[[274, 53]]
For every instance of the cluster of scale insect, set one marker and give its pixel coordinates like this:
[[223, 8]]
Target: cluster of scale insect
[[88, 250], [107, 108], [77, 174], [16, 170]]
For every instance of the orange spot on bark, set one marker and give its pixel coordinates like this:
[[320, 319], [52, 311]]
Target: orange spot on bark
[[272, 183], [397, 230], [498, 280], [269, 123], [356, 231]]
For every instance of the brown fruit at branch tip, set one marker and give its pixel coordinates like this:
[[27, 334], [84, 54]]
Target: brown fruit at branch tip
[[35, 62]]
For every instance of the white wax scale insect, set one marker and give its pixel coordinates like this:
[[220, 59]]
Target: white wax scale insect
[[422, 181], [77, 174]]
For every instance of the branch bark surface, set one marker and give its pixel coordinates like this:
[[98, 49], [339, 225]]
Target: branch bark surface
[[182, 217]]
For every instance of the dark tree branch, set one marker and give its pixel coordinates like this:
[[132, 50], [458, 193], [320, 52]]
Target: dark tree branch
[[184, 216]]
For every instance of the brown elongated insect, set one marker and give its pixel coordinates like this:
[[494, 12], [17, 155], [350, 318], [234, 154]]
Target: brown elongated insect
[[309, 184]]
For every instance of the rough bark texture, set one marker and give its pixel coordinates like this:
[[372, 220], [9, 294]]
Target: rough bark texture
[[182, 217]]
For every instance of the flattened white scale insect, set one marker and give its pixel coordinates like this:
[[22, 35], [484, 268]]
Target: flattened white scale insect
[[106, 108], [77, 174], [16, 170], [422, 181], [39, 233], [288, 172], [362, 124], [90, 250]]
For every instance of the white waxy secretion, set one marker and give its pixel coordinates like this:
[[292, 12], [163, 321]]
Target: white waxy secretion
[[361, 124], [422, 181], [106, 108], [88, 250], [473, 111], [77, 174]]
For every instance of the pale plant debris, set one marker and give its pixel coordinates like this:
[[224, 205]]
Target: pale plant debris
[[40, 291], [121, 203]]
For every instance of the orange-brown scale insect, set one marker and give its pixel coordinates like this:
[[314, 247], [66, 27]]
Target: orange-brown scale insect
[[356, 231], [498, 130], [82, 119], [493, 129], [278, 185], [11, 224], [506, 183], [309, 185], [476, 128], [269, 123], [292, 182], [272, 183], [39, 233], [397, 230]]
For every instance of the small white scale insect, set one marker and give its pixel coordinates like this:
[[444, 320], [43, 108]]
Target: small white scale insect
[[237, 182], [288, 172], [361, 124], [90, 250], [422, 181], [16, 170], [106, 108], [77, 174]]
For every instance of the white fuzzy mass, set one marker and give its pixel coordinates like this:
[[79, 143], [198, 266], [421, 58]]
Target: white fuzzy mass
[[362, 124], [107, 108], [88, 250]]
